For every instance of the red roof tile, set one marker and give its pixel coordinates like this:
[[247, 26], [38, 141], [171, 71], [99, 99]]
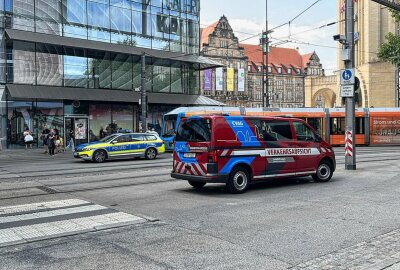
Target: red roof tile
[[279, 57], [205, 32], [306, 59]]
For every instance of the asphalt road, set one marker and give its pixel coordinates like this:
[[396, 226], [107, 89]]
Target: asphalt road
[[352, 221]]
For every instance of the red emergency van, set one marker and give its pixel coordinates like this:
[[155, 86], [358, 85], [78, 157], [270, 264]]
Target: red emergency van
[[238, 150]]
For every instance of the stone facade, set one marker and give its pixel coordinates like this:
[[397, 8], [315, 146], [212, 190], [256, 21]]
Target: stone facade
[[377, 78], [219, 43]]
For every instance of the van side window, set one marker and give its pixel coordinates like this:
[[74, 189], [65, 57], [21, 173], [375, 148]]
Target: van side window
[[275, 130], [303, 132]]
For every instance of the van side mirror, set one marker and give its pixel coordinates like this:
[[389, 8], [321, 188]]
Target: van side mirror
[[318, 138]]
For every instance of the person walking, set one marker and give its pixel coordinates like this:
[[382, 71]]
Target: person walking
[[28, 139], [51, 141], [44, 136], [71, 143]]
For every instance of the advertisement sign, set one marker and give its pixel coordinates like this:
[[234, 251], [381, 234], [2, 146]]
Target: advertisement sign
[[385, 129], [207, 85], [80, 129], [241, 80], [219, 76], [230, 79]]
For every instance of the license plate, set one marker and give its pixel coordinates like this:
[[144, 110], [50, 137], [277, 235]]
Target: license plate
[[189, 155]]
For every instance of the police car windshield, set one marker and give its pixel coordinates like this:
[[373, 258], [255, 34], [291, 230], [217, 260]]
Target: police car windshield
[[108, 138], [194, 130]]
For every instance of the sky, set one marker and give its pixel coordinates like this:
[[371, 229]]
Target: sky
[[248, 17]]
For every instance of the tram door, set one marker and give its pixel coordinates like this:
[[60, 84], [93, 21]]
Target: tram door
[[77, 129]]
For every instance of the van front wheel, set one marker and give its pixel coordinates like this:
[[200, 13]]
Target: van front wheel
[[238, 180], [324, 172]]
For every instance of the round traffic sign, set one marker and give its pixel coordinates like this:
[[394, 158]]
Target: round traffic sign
[[347, 74]]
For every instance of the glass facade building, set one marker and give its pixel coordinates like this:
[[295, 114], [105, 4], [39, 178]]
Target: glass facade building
[[61, 60]]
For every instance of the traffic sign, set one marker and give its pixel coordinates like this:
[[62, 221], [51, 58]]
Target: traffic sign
[[347, 76], [347, 90]]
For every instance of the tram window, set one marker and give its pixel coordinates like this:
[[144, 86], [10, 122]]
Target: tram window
[[360, 125], [316, 123], [338, 126]]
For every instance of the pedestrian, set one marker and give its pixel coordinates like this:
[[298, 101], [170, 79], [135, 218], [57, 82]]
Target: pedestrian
[[102, 133], [51, 141], [28, 139], [71, 143], [44, 136], [57, 141]]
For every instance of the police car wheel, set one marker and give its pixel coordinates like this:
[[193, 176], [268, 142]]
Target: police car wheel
[[238, 180], [196, 185], [99, 156], [324, 172], [151, 153]]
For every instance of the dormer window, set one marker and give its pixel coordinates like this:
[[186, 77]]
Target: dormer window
[[298, 71], [248, 68], [289, 71], [279, 70], [269, 69], [259, 68]]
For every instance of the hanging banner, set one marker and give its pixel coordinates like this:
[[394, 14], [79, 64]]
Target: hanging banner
[[241, 80], [230, 79], [207, 85], [219, 83]]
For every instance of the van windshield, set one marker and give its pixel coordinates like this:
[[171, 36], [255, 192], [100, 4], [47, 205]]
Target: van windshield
[[194, 130]]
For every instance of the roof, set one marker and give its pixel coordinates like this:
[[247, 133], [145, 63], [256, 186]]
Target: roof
[[205, 32], [21, 91], [277, 57], [200, 62], [306, 59]]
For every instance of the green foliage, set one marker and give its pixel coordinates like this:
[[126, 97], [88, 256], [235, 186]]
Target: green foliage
[[389, 51]]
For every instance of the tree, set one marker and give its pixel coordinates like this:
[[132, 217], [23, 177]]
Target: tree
[[389, 51]]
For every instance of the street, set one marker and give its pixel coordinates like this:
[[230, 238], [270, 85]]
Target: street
[[350, 222]]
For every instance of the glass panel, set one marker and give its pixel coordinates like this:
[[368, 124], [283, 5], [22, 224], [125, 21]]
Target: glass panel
[[122, 116], [23, 57], [303, 133], [99, 70], [98, 21], [20, 116], [50, 115], [100, 119], [176, 78], [137, 69], [75, 18], [121, 72], [276, 130], [75, 71], [23, 14], [48, 16], [161, 76], [49, 64], [194, 80]]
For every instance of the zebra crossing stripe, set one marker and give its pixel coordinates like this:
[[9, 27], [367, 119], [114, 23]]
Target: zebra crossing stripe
[[39, 221]]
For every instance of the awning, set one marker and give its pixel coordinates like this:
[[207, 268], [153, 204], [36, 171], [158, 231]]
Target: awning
[[203, 62], [20, 91]]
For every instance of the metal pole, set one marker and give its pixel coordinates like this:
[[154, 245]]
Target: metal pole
[[350, 160], [263, 71], [266, 56], [143, 94]]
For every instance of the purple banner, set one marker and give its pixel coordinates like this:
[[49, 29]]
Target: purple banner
[[207, 86]]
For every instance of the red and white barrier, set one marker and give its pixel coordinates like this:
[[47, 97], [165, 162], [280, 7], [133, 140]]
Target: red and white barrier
[[348, 148]]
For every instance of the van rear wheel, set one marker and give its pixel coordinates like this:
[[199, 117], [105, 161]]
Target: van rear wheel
[[239, 180], [196, 185], [324, 172]]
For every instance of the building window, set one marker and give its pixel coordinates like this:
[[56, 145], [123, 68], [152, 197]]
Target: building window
[[279, 70], [298, 71], [259, 68], [289, 71]]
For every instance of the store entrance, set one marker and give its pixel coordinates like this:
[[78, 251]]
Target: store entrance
[[77, 129]]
